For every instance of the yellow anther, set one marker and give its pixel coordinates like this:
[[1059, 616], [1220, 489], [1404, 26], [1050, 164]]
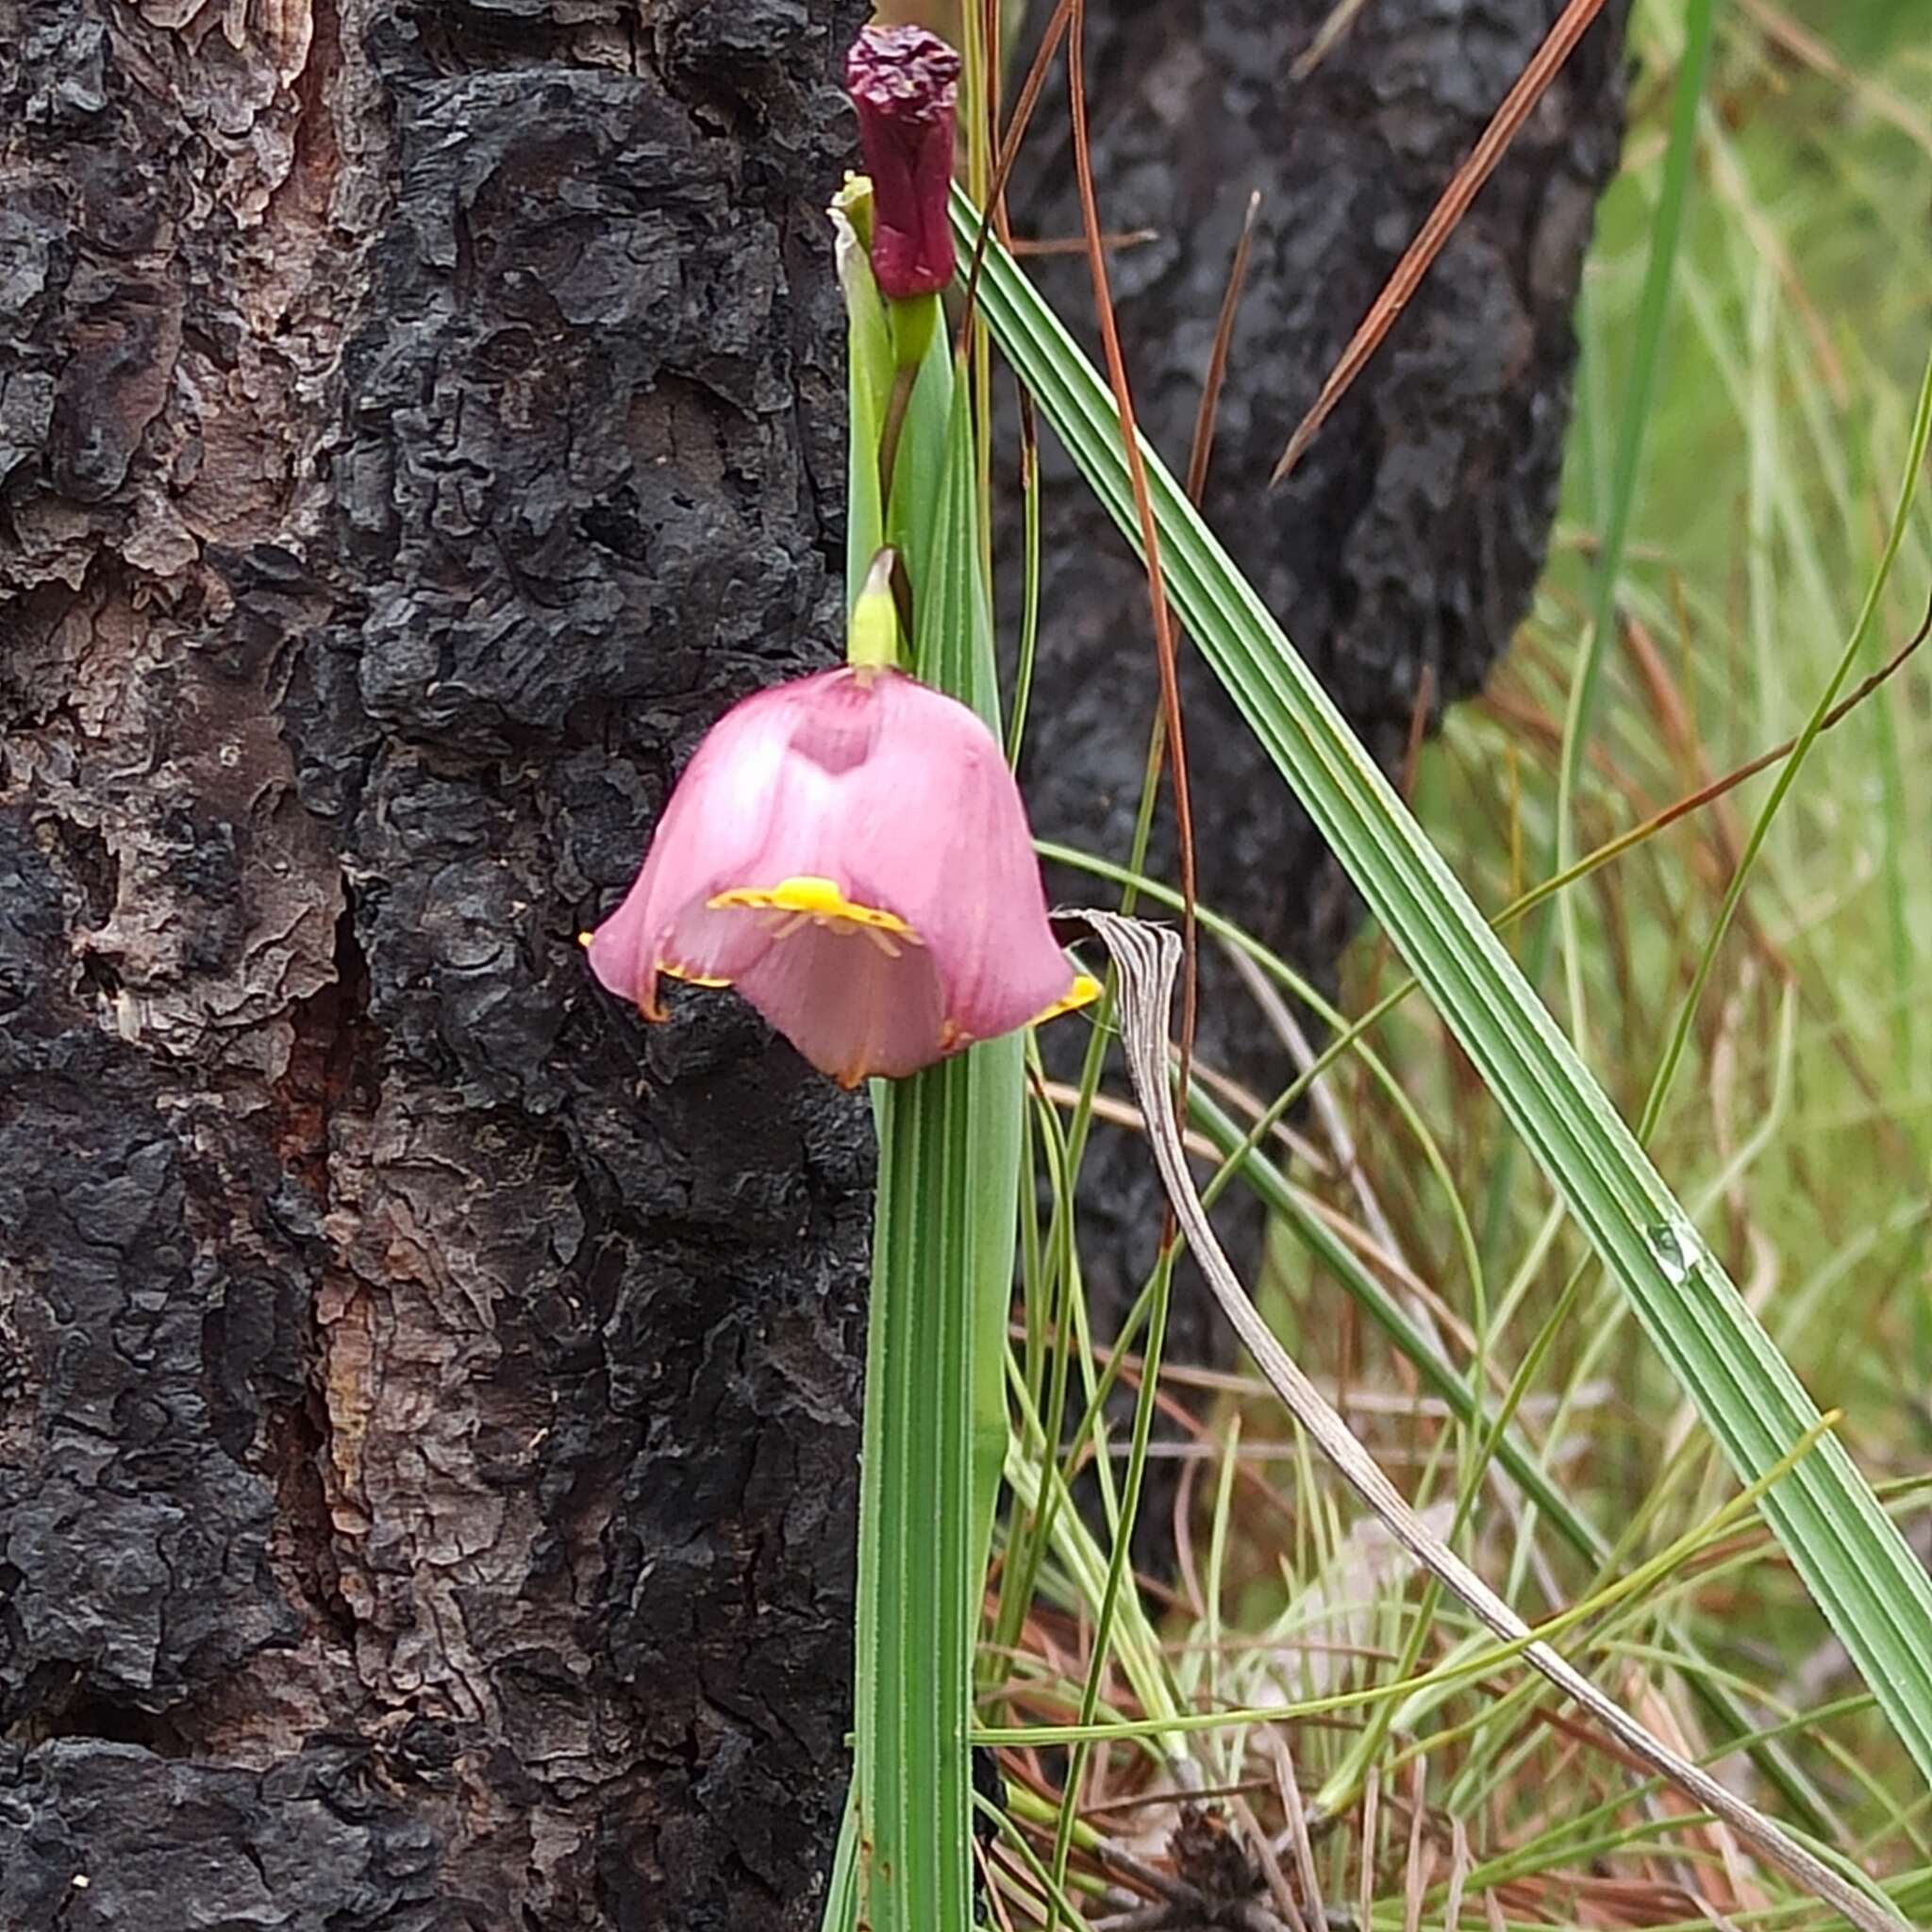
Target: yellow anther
[[816, 898], [1084, 991]]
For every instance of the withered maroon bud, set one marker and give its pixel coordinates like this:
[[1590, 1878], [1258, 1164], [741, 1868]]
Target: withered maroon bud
[[905, 83]]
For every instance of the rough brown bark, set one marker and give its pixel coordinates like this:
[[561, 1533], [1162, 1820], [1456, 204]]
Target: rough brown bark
[[426, 1397]]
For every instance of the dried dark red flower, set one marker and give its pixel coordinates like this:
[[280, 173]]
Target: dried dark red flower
[[905, 84]]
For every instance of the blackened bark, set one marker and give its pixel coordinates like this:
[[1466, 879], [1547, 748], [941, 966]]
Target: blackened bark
[[1404, 549], [430, 1398], [427, 1399]]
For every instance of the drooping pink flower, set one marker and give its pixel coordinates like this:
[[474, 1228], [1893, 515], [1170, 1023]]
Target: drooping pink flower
[[850, 852], [904, 82]]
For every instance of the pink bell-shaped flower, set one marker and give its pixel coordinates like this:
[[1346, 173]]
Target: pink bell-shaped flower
[[850, 852]]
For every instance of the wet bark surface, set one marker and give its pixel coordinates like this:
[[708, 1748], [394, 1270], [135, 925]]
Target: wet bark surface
[[428, 1397]]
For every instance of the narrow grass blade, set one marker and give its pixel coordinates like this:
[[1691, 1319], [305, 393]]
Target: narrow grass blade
[[935, 1432], [921, 1562]]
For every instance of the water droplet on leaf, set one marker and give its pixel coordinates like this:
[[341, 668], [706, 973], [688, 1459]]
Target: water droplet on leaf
[[1677, 1248]]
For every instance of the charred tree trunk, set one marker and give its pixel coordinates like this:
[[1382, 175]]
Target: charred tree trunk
[[427, 1399], [430, 1397], [1403, 551]]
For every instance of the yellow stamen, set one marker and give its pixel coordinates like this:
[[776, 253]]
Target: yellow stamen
[[690, 974], [1084, 991], [649, 1004], [816, 898]]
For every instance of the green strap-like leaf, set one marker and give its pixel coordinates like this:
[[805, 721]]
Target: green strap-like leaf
[[1876, 1595], [943, 1268]]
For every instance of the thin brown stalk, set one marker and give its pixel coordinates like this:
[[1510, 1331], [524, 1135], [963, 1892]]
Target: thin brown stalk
[[1279, 1892], [1461, 1865], [1327, 36], [1418, 729], [1139, 1801], [1707, 794], [1116, 241], [989, 1889], [1804, 47], [1150, 550], [1200, 456], [1421, 1853], [1297, 1816], [1201, 447], [1185, 1566], [1727, 838], [1008, 152]]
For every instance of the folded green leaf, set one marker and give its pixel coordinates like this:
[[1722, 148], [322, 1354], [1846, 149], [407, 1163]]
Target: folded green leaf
[[942, 1267]]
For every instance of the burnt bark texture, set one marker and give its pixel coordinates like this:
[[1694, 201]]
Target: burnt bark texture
[[1403, 550], [428, 1397]]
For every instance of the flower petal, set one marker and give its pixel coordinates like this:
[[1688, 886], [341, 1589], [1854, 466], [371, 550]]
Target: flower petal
[[618, 952], [710, 947], [746, 807], [905, 82], [937, 833], [853, 1000], [1083, 992], [850, 850]]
